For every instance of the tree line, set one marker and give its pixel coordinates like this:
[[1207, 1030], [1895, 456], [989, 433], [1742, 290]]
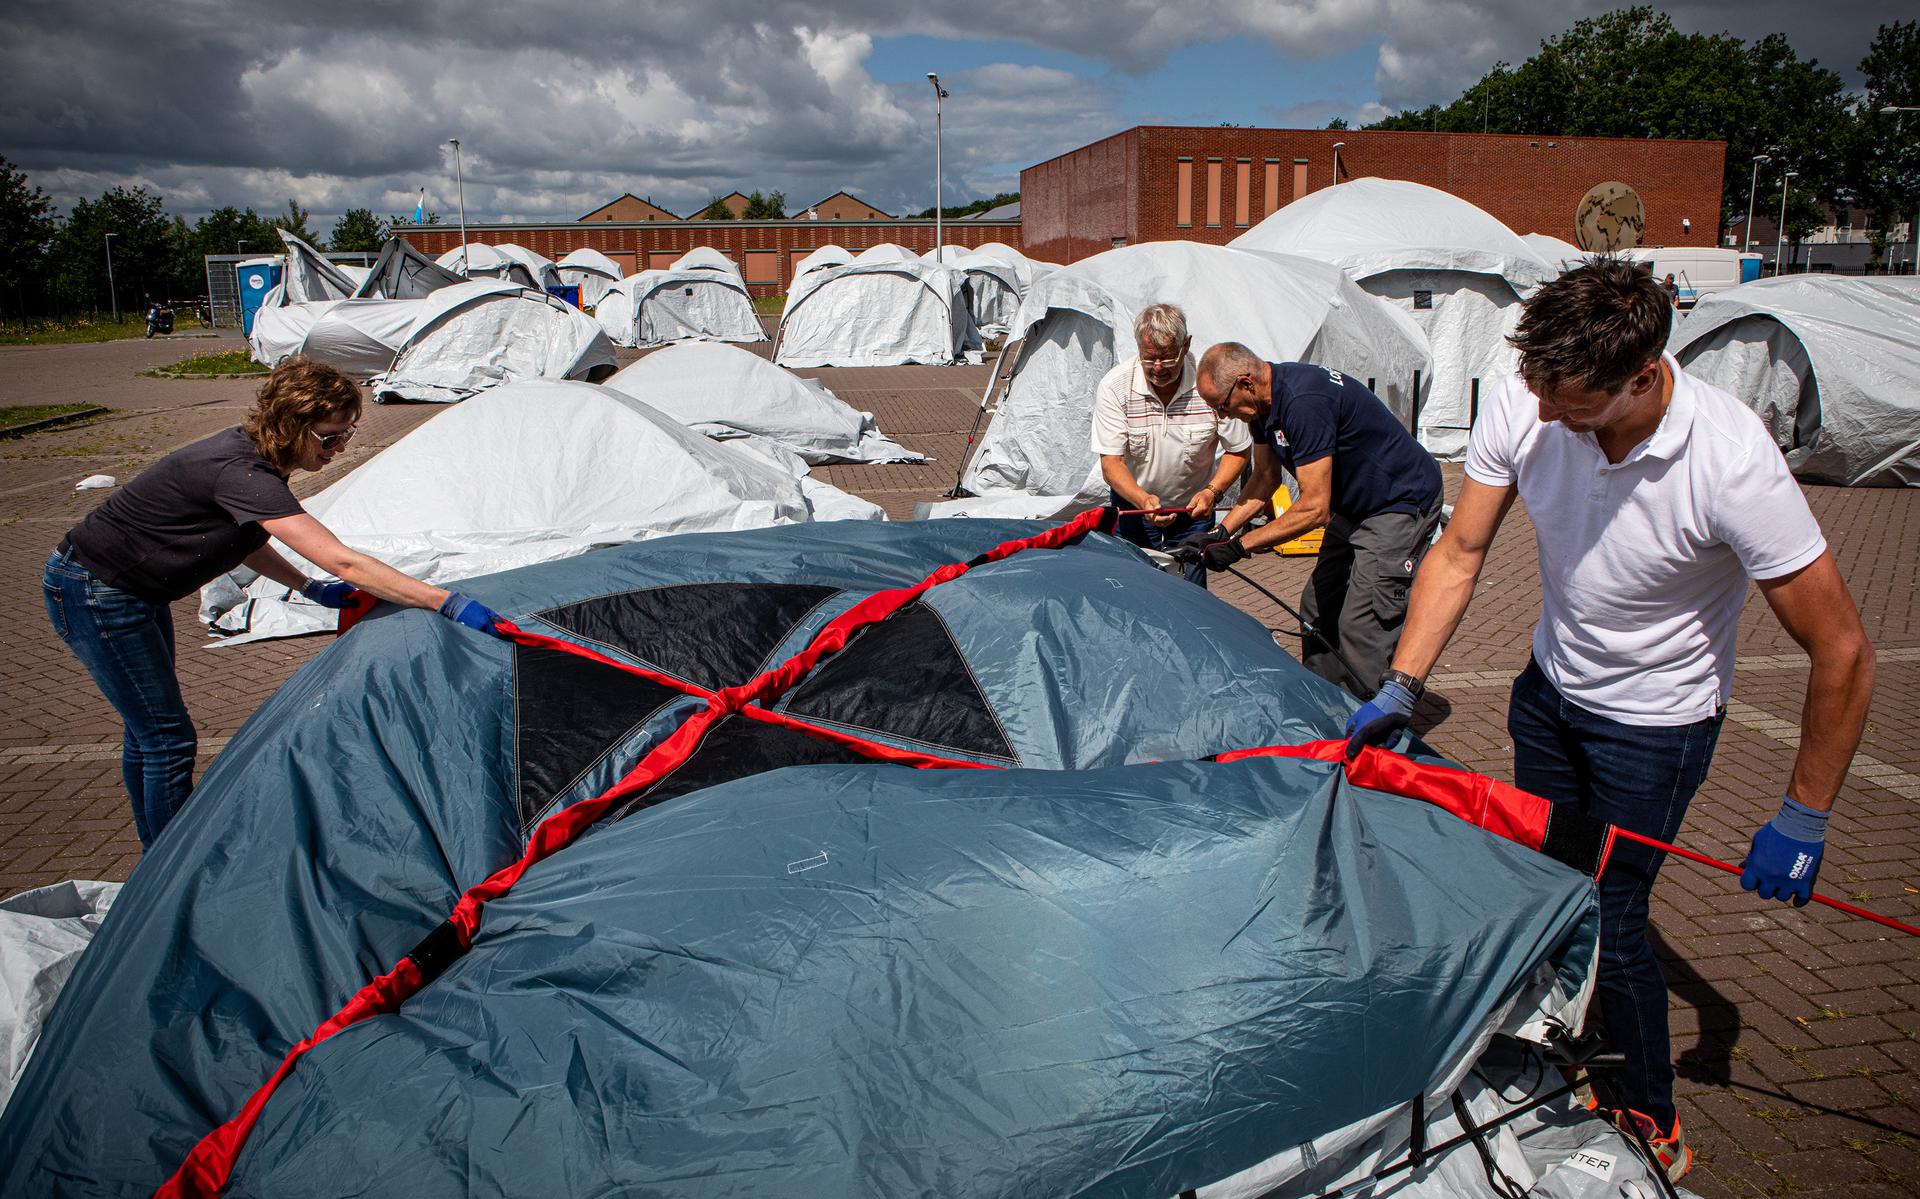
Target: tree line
[[1630, 73], [51, 265]]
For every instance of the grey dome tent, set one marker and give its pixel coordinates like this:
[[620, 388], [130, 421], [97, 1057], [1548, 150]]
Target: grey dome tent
[[589, 270], [1832, 365], [830, 860], [887, 307]]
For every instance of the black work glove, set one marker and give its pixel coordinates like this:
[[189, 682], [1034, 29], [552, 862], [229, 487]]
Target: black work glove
[[1218, 555]]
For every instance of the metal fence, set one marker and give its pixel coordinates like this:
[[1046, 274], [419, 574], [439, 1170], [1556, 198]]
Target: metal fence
[[223, 282]]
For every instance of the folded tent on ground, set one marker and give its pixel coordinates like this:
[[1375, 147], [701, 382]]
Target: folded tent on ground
[[1832, 365], [442, 346], [726, 392], [1453, 266], [887, 307], [1077, 322], [1071, 954]]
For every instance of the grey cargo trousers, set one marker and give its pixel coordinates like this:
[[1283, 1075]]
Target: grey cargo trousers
[[1357, 596]]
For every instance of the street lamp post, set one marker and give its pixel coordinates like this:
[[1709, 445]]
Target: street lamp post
[[939, 94], [1780, 234], [112, 295], [1752, 185], [1337, 147], [461, 182], [1913, 231]]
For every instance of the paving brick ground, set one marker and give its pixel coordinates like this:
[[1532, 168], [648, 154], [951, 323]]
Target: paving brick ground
[[1798, 1030]]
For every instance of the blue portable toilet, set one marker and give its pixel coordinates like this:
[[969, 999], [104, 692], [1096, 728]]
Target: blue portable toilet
[[257, 276], [568, 292], [1749, 267]]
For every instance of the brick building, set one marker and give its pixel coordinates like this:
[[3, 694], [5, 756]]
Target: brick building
[[766, 251], [1208, 184], [844, 206], [736, 203], [630, 208]]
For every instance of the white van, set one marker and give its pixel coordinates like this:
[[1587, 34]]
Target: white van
[[1699, 270]]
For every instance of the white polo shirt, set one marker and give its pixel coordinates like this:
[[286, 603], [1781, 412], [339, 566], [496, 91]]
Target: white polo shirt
[[1170, 447], [1644, 564]]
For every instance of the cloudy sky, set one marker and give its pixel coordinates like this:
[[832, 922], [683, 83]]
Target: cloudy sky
[[562, 105]]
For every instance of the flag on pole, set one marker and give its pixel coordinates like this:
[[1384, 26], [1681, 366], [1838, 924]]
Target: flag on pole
[[420, 209]]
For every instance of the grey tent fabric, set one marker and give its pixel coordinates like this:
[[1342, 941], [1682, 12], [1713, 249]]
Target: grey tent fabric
[[309, 276], [1832, 365], [403, 273], [1107, 967]]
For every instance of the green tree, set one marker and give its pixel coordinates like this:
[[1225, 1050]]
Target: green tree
[[232, 230], [971, 207], [142, 258], [358, 229], [26, 232], [295, 222], [1885, 161], [1631, 73], [1337, 123], [399, 219], [770, 207], [716, 211]]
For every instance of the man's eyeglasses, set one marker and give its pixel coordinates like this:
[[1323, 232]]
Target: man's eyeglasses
[[333, 441], [1173, 359]]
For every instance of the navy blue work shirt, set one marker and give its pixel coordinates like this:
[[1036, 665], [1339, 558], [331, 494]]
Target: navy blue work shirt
[[1377, 465]]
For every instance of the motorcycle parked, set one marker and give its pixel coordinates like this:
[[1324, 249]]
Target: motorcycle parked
[[159, 319]]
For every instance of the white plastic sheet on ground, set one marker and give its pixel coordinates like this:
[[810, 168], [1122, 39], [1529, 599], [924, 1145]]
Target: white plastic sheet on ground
[[880, 310], [590, 271], [656, 308], [42, 934], [1078, 320], [527, 472], [1832, 365], [1453, 267], [723, 391]]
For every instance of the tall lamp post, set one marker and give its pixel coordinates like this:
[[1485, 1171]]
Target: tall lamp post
[[1747, 232], [939, 94], [112, 295], [1913, 230], [461, 183], [1337, 147], [1780, 234]]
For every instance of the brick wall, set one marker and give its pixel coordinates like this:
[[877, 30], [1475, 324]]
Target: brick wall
[[795, 239], [1070, 207]]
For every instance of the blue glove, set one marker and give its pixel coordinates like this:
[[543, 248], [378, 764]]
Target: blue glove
[[1381, 718], [329, 595], [1785, 857], [472, 613]]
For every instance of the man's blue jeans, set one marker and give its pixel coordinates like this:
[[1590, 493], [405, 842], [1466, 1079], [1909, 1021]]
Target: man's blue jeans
[[1153, 537], [126, 644], [1640, 778]]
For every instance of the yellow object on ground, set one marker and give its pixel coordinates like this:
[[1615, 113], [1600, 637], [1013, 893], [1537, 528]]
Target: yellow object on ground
[[1308, 542]]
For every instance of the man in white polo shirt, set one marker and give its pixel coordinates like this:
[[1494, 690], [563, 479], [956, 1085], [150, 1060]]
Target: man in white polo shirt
[[1158, 441], [1654, 498]]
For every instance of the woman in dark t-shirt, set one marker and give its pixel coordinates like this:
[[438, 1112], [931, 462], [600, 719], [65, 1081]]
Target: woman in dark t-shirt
[[184, 521]]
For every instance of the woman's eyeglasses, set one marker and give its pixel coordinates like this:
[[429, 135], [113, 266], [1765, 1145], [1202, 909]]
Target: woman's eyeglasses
[[333, 441]]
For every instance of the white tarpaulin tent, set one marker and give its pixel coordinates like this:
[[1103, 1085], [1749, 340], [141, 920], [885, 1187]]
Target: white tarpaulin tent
[[1563, 256], [442, 346], [42, 934], [308, 276], [1455, 267], [1832, 365], [507, 260], [726, 392], [821, 259], [888, 307], [403, 273], [993, 291], [654, 308], [590, 271], [1077, 322], [567, 467], [706, 258]]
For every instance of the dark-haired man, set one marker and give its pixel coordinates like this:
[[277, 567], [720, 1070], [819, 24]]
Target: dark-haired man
[[1654, 498], [1361, 474]]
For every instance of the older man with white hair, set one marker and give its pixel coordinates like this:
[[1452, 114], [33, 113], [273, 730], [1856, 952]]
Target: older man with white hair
[[1159, 444]]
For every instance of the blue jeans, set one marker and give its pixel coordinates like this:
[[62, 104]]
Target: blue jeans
[[126, 644], [1153, 537], [1640, 778]]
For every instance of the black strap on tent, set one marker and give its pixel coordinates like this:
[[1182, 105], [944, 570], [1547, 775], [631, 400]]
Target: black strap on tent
[[1417, 1138], [1307, 629], [1503, 1184]]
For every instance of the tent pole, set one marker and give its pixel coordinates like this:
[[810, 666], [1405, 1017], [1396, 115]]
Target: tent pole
[[986, 398]]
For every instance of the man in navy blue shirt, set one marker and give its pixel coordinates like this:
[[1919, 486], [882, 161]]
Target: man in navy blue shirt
[[1360, 474]]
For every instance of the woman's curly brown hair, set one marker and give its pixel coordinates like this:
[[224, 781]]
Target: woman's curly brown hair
[[299, 394]]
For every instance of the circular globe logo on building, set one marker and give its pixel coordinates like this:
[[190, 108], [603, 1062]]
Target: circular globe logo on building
[[255, 280], [1609, 218]]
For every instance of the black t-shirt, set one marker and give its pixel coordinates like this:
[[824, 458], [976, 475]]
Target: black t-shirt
[[186, 520], [1377, 465]]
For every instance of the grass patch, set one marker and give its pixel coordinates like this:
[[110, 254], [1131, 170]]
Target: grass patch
[[769, 305], [78, 329], [26, 414], [225, 364]]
